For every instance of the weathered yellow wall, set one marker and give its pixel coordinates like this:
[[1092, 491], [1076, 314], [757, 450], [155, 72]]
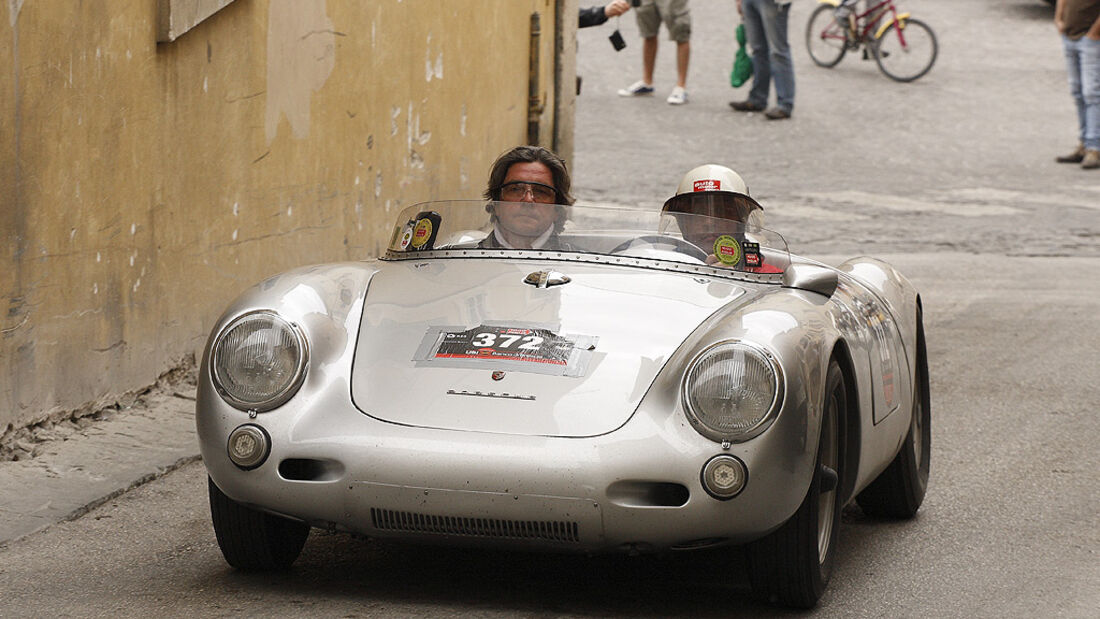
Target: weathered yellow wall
[[146, 185]]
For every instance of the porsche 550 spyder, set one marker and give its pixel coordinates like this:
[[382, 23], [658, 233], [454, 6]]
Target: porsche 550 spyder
[[620, 389]]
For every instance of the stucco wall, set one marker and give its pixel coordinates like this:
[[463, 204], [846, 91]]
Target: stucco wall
[[145, 185]]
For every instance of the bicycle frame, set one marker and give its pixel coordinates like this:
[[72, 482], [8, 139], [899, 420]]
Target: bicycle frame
[[869, 19], [903, 57]]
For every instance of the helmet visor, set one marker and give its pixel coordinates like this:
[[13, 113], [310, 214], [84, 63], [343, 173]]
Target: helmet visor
[[720, 204]]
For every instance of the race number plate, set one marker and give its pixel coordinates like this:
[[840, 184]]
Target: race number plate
[[534, 349]]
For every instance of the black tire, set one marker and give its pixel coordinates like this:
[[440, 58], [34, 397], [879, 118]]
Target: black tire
[[252, 540], [899, 490], [825, 37], [793, 564], [905, 64]]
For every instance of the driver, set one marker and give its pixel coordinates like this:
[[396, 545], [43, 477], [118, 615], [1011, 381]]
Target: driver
[[719, 194], [529, 186]]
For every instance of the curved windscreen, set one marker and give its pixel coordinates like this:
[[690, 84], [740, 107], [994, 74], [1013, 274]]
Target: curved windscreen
[[621, 235]]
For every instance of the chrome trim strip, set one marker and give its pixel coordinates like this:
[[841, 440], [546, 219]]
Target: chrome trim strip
[[561, 256], [492, 394]]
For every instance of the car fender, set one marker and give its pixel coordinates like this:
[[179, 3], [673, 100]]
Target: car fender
[[795, 327], [326, 302], [881, 438]]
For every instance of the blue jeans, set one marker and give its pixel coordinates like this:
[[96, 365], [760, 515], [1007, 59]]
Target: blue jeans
[[766, 31], [1083, 63]]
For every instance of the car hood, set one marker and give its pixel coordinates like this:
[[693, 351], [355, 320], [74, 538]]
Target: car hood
[[624, 322]]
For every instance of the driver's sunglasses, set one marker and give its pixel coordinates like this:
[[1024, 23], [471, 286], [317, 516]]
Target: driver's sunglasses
[[516, 191]]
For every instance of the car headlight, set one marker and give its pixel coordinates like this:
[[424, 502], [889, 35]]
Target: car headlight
[[259, 361], [732, 391]]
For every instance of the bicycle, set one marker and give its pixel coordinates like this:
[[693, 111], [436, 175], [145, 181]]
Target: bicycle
[[903, 47]]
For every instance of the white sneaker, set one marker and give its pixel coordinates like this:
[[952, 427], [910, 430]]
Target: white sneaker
[[636, 89], [678, 96]]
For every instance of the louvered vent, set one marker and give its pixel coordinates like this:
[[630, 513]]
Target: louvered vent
[[389, 520]]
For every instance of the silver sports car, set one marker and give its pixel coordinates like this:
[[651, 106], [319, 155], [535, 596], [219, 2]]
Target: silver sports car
[[641, 382]]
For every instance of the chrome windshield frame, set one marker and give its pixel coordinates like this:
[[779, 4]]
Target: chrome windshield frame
[[652, 264]]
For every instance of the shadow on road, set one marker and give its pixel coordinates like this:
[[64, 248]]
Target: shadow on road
[[707, 583]]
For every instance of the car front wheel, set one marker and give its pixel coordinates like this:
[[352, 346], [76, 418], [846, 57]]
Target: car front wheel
[[252, 540], [793, 564]]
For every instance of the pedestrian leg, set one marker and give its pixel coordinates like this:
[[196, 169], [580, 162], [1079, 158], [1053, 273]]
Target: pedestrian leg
[[758, 44]]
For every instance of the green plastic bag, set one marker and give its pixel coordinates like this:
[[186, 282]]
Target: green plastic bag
[[742, 64]]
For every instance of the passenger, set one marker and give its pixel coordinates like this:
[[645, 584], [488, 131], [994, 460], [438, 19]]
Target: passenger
[[529, 187], [708, 195]]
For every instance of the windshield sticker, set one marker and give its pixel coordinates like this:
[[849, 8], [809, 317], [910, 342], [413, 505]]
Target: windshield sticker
[[535, 349], [419, 233], [406, 236], [422, 233], [727, 250], [752, 254]]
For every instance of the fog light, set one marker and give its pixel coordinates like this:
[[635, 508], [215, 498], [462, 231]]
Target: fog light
[[249, 446], [724, 477]]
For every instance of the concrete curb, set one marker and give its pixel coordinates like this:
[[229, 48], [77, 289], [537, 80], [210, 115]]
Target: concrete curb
[[70, 477]]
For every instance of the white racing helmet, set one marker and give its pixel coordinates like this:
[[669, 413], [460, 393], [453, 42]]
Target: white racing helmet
[[715, 191]]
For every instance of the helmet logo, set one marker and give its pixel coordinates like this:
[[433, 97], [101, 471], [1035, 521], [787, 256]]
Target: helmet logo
[[707, 184]]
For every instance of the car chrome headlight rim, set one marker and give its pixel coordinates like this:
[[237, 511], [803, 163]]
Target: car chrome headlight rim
[[259, 361], [732, 391]]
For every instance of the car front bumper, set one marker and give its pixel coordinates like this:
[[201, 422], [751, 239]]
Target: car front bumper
[[638, 488]]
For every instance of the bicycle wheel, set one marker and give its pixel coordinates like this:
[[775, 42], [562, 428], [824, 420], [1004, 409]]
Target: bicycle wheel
[[825, 37], [906, 53]]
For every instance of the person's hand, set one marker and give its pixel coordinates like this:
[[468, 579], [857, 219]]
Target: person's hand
[[616, 8], [739, 10], [1059, 19]]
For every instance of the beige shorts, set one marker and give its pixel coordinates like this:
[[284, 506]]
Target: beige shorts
[[674, 13]]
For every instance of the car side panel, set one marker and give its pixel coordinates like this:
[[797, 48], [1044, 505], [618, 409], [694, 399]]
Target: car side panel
[[886, 310]]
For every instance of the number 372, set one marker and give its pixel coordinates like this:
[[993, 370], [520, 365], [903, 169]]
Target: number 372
[[492, 340]]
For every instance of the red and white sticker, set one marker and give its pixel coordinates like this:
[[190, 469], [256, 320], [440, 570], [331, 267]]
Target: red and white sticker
[[708, 184]]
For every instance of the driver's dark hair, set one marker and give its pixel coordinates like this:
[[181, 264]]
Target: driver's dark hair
[[530, 154]]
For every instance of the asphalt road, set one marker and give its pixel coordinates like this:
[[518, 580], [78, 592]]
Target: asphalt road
[[950, 178]]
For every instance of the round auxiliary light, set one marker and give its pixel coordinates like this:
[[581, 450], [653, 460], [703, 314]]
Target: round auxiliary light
[[259, 361], [724, 477], [249, 446]]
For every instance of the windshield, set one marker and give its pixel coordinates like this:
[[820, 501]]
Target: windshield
[[643, 238]]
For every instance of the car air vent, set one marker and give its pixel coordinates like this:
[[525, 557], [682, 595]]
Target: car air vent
[[631, 493], [306, 469], [389, 520]]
